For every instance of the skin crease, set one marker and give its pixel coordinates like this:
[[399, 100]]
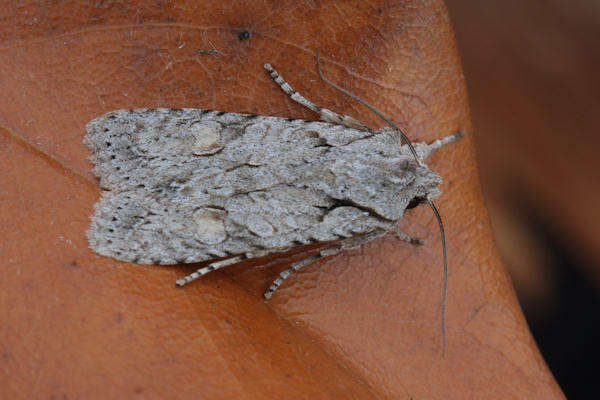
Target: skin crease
[[361, 324]]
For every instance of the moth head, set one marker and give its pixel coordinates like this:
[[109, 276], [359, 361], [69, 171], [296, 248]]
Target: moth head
[[426, 185], [384, 184], [426, 193]]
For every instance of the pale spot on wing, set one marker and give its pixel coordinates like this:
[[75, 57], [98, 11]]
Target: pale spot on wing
[[209, 227], [207, 137]]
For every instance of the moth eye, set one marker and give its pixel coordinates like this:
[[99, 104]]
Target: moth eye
[[415, 202]]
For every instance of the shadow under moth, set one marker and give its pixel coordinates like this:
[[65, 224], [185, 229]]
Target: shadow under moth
[[191, 185]]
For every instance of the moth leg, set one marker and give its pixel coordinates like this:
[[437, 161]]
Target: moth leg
[[353, 242], [209, 268], [407, 238], [325, 114], [328, 251]]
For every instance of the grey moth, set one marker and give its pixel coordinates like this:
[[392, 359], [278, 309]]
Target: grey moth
[[191, 185]]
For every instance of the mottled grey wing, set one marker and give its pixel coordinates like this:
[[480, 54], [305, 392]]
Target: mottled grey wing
[[190, 185]]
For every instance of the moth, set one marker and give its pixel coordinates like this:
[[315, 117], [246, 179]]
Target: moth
[[191, 185]]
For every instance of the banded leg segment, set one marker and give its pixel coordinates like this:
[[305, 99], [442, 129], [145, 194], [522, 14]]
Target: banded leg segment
[[209, 268], [345, 244], [284, 274], [325, 114], [297, 266]]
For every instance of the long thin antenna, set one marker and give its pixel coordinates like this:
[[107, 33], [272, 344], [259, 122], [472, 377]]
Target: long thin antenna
[[437, 215], [435, 211], [370, 107]]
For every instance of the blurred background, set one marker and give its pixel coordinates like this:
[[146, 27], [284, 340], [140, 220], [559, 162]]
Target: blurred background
[[533, 74]]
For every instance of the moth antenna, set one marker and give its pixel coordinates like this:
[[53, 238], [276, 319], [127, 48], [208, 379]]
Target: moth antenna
[[435, 211], [370, 107], [445, 280]]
